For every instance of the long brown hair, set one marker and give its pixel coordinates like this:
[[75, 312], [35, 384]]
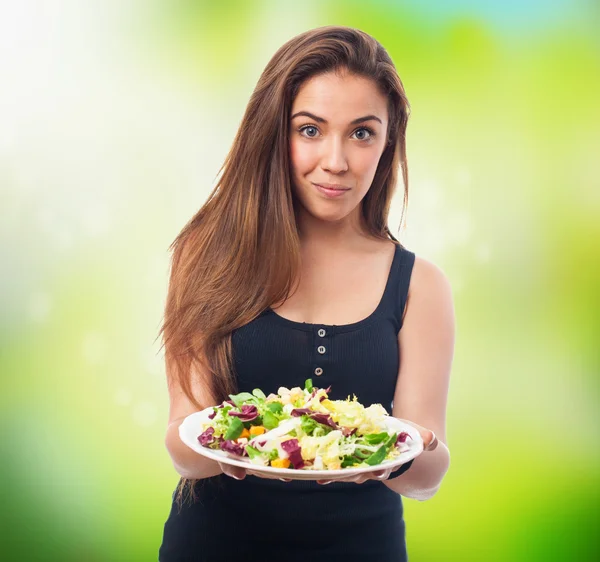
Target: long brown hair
[[241, 251]]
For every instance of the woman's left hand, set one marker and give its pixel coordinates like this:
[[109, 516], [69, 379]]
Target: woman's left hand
[[429, 443]]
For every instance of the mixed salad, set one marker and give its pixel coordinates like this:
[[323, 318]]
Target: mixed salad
[[302, 429]]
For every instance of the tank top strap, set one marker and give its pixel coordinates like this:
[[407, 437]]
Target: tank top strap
[[400, 280]]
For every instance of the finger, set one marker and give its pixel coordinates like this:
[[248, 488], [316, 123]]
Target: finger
[[236, 472], [381, 474], [260, 475], [358, 479], [266, 476], [427, 439], [432, 441]]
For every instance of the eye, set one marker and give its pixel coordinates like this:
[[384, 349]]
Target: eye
[[310, 128], [369, 133], [362, 134]]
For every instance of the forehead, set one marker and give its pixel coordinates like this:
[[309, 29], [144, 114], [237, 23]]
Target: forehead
[[341, 98]]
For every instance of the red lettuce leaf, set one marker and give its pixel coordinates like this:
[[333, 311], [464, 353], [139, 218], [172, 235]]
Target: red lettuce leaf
[[325, 419], [297, 412], [402, 436], [207, 437], [234, 448], [248, 413], [292, 448], [315, 390]]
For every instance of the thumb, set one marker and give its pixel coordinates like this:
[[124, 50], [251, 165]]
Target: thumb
[[430, 441], [429, 438]]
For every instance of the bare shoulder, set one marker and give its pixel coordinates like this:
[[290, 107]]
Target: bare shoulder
[[428, 279], [429, 293]]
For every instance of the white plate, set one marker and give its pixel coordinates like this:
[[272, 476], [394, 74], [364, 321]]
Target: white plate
[[191, 428]]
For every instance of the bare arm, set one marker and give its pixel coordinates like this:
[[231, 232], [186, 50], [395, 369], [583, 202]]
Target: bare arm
[[426, 343], [187, 463]]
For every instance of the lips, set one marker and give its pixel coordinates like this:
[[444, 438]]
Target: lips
[[331, 192], [332, 187]]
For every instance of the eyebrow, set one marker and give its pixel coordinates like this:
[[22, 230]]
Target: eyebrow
[[321, 120]]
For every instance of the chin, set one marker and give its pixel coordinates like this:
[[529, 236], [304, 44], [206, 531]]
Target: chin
[[322, 210], [329, 216]]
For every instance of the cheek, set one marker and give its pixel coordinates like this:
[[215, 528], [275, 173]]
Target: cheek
[[367, 162], [302, 156]]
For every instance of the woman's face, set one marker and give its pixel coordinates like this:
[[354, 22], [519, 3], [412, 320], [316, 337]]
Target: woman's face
[[337, 135]]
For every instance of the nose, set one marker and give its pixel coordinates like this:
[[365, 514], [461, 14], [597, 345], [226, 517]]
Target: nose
[[334, 158]]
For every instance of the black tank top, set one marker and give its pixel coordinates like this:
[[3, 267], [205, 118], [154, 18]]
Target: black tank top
[[260, 519]]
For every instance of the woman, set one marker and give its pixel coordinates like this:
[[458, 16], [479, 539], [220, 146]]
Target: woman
[[289, 272]]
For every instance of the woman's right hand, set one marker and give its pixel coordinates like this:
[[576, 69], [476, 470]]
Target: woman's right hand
[[240, 473]]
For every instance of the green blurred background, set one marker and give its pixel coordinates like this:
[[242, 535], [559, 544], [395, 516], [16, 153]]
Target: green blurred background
[[114, 120]]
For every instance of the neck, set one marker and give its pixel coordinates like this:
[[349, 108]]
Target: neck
[[330, 235]]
